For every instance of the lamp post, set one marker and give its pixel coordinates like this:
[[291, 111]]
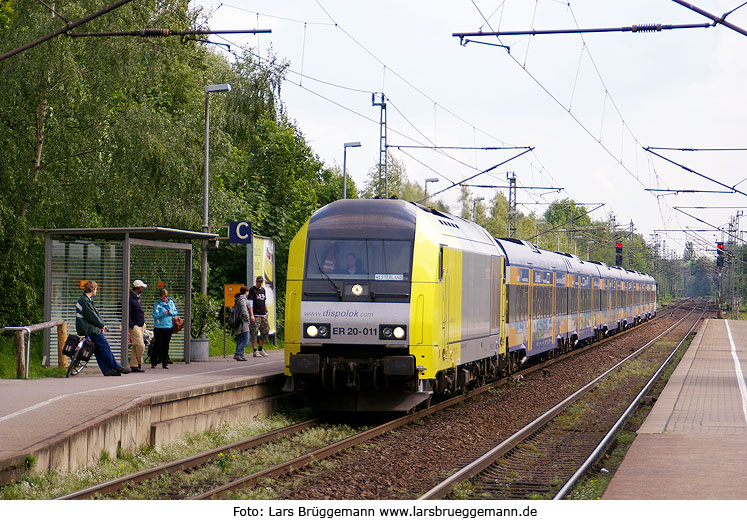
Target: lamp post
[[344, 163], [210, 88], [427, 181], [474, 208]]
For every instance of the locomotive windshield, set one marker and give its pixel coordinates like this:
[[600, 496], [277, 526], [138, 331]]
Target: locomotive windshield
[[380, 260]]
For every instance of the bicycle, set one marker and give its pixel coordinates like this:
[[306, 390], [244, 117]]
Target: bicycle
[[79, 350]]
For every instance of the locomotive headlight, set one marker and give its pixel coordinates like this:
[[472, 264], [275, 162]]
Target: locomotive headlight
[[393, 332], [317, 330]]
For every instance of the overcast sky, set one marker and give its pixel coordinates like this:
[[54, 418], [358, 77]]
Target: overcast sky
[[586, 103]]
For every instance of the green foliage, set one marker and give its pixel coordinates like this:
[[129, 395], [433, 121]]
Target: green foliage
[[110, 132], [205, 314], [6, 13], [398, 185], [396, 180], [567, 212]]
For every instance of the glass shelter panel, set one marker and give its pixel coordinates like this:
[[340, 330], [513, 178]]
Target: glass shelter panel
[[161, 268], [73, 264]]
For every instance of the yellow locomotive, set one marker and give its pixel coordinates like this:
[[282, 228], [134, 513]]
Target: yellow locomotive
[[389, 303]]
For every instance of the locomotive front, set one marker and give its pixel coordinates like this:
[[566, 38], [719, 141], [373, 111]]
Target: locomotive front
[[348, 307]]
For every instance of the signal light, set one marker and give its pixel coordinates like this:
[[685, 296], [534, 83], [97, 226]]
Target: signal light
[[618, 254], [720, 254]]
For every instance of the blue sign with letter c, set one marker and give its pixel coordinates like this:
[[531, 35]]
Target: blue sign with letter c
[[240, 232]]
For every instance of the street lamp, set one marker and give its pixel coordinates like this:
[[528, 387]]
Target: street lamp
[[427, 181], [474, 207], [344, 163], [208, 90]]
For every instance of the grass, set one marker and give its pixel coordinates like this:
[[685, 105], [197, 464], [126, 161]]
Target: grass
[[36, 370], [52, 484]]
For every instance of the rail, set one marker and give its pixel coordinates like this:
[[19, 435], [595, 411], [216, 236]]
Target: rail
[[441, 490], [23, 342], [605, 442]]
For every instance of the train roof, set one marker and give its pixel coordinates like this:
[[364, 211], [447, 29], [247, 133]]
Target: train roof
[[524, 253], [354, 218], [465, 230]]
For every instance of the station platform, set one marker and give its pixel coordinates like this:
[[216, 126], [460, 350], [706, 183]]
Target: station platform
[[693, 444], [66, 423]]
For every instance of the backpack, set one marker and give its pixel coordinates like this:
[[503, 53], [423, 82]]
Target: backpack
[[234, 318]]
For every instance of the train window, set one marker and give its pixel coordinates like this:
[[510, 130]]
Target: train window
[[513, 303], [540, 301], [573, 298], [518, 302], [388, 260], [561, 300]]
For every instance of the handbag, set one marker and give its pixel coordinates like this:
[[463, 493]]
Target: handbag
[[178, 323]]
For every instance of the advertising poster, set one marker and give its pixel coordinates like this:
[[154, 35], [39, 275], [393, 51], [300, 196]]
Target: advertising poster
[[264, 264]]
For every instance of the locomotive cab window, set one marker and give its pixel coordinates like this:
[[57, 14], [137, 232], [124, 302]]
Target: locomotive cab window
[[381, 260]]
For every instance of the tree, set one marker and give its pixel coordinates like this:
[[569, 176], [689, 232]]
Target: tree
[[566, 212], [396, 177], [110, 132]]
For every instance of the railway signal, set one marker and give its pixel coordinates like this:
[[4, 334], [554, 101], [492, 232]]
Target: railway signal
[[618, 254], [720, 254]]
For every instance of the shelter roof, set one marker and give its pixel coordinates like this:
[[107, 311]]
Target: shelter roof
[[118, 233]]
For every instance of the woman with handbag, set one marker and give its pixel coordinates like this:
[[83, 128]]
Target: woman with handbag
[[164, 313]]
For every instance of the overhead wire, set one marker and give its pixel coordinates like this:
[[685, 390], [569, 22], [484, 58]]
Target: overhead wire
[[607, 96], [406, 81], [542, 170], [355, 112]]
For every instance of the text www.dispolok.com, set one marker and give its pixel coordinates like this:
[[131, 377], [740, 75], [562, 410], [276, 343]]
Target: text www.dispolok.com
[[335, 314]]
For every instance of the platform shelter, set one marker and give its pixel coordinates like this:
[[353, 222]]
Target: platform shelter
[[114, 257]]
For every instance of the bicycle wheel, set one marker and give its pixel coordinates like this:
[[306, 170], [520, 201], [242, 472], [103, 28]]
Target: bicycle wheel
[[77, 363]]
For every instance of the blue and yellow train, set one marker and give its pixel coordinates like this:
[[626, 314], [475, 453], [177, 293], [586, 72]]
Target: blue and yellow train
[[389, 303]]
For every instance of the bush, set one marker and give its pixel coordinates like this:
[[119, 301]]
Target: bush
[[205, 317]]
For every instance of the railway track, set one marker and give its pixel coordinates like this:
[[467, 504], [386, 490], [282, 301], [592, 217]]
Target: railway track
[[357, 440], [186, 464], [547, 457], [238, 482]]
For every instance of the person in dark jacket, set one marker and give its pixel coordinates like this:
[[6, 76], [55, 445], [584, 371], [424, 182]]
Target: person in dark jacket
[[137, 326], [164, 312], [260, 324], [89, 323], [243, 305]]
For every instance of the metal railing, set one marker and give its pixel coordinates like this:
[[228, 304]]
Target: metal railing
[[23, 356]]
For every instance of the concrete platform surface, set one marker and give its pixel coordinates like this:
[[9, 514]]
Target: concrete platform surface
[[693, 445], [36, 411]]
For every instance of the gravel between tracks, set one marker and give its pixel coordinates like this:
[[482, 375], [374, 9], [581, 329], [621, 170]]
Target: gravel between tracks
[[407, 462]]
